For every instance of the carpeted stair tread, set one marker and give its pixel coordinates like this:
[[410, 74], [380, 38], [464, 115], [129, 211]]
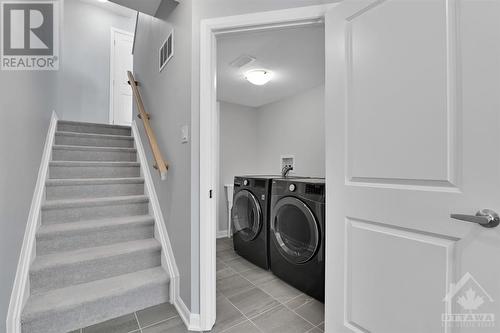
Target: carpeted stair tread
[[93, 148], [94, 181], [71, 257], [81, 127], [92, 139], [72, 203], [81, 305], [94, 163], [75, 227]]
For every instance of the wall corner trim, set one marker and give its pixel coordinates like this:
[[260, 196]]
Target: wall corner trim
[[20, 290]]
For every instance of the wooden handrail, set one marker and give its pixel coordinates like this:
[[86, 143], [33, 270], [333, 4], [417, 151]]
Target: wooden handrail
[[160, 164]]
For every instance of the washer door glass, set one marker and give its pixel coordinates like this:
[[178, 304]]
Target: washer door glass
[[246, 215], [295, 230]]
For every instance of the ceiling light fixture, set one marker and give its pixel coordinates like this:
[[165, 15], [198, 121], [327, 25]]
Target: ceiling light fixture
[[102, 0], [259, 77]]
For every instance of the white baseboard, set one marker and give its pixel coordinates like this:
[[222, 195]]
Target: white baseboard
[[21, 289], [223, 234], [161, 233], [191, 320]]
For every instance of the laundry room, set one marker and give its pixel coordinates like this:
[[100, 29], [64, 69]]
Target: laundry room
[[271, 174]]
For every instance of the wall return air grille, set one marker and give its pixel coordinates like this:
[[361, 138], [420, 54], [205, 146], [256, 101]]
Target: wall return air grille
[[166, 51]]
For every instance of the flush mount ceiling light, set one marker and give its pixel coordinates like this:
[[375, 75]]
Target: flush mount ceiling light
[[102, 0], [259, 77]]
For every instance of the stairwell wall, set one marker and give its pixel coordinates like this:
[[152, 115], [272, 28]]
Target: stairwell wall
[[27, 100], [166, 97]]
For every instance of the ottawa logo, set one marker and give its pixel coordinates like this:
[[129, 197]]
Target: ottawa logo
[[467, 304]]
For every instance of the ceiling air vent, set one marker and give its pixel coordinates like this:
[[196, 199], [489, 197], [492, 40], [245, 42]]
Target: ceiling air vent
[[241, 61], [167, 50]]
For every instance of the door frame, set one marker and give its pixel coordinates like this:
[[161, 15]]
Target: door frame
[[209, 30], [113, 32]]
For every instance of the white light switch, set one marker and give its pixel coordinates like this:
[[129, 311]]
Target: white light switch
[[185, 134]]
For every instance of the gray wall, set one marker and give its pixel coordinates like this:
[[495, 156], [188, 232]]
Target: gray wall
[[167, 98], [252, 140], [26, 103], [293, 126], [237, 151], [84, 84]]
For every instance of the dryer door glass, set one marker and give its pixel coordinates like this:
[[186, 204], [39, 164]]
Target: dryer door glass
[[295, 230], [246, 215]]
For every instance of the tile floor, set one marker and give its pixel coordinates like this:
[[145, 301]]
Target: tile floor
[[249, 300]]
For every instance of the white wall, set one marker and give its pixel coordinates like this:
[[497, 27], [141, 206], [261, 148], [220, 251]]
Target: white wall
[[293, 126], [238, 149], [84, 82], [252, 140]]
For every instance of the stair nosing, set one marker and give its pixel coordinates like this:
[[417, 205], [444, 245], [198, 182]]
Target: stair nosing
[[93, 148], [93, 181], [86, 202], [41, 303], [89, 225], [96, 135], [60, 259]]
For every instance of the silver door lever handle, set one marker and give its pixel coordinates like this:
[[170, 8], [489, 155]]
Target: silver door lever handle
[[485, 217]]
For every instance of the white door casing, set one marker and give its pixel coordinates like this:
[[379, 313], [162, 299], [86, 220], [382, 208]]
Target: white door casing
[[120, 91], [412, 116]]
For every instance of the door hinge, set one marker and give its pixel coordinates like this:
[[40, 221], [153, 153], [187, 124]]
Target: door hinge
[[210, 194]]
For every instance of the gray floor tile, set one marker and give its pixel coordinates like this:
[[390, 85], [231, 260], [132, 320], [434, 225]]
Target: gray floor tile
[[313, 311], [281, 319], [156, 314], [227, 315], [220, 264], [224, 244], [245, 327], [240, 265], [123, 324], [298, 301], [322, 326], [174, 325], [77, 331], [253, 302], [280, 290], [232, 285], [259, 276], [226, 272], [315, 330], [227, 255]]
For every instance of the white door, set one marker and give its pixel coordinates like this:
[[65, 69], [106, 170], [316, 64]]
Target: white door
[[121, 92], [413, 135]]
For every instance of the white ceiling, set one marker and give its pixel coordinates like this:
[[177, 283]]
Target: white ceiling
[[113, 7], [295, 55]]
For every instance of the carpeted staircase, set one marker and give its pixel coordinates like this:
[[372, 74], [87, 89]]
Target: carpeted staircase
[[96, 255]]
